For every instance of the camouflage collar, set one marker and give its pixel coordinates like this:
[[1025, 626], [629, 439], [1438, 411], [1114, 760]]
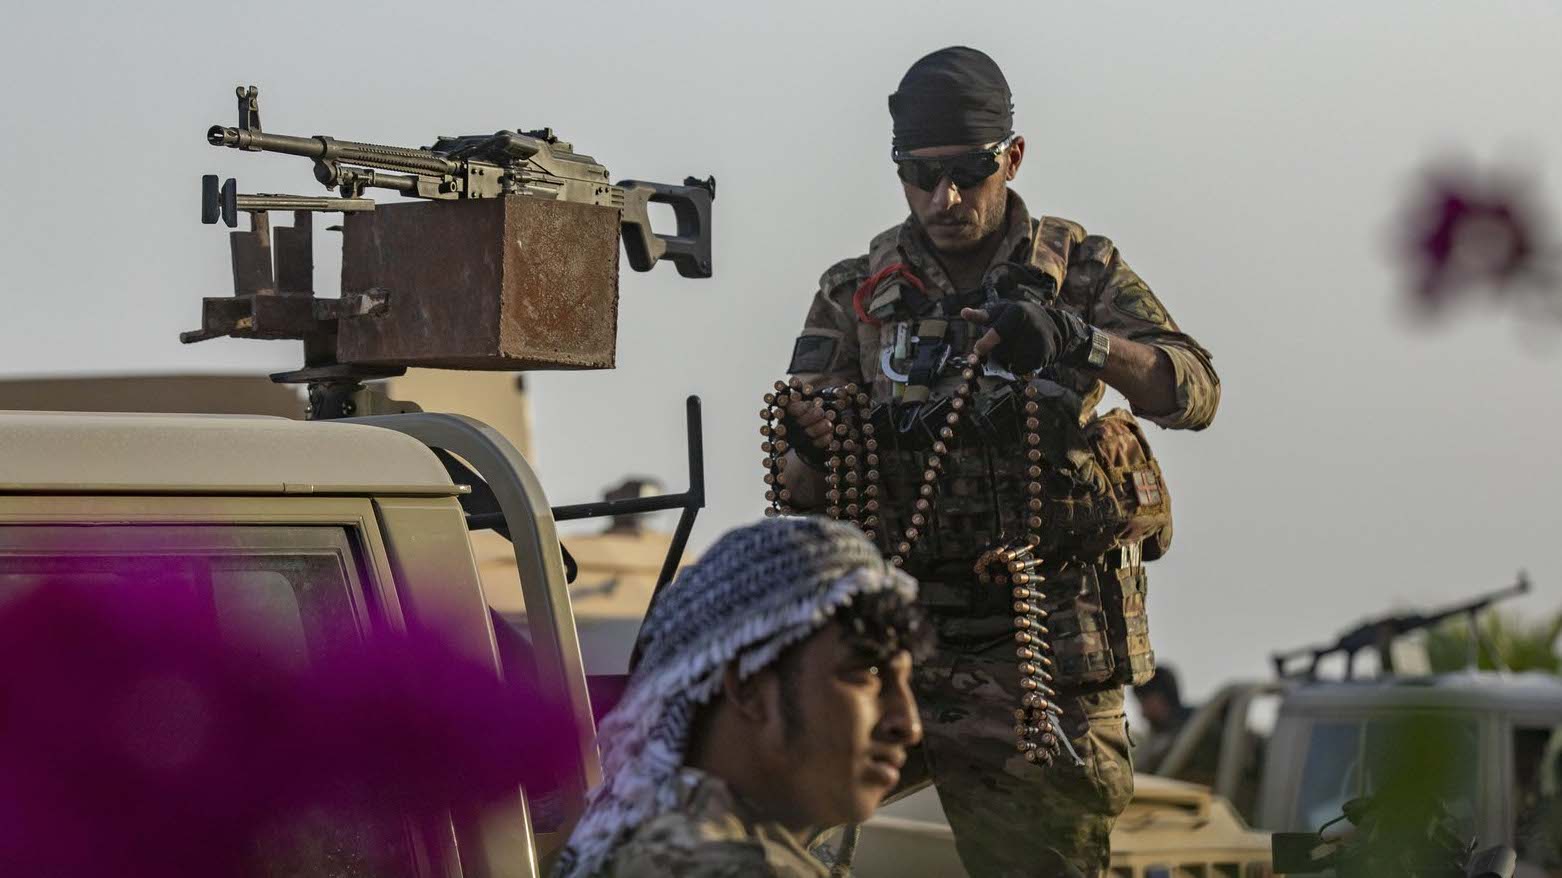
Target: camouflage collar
[[709, 800]]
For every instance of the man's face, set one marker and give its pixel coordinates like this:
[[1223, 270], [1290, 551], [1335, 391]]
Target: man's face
[[958, 220], [851, 723], [1156, 710]]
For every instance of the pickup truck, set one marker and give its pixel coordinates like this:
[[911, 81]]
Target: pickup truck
[[309, 519]]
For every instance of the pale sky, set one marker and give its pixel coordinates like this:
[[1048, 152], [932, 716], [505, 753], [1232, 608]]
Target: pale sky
[[1247, 159]]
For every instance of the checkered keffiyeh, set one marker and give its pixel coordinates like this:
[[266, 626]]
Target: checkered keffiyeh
[[758, 590]]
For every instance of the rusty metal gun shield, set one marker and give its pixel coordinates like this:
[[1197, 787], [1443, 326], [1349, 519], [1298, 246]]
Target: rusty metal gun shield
[[491, 283]]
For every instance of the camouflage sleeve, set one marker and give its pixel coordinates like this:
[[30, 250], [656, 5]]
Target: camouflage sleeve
[[826, 351], [1125, 307]]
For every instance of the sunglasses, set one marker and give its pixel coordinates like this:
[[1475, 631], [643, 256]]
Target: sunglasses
[[964, 170]]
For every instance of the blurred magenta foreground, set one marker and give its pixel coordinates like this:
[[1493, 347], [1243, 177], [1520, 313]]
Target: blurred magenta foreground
[[1466, 232], [134, 741]]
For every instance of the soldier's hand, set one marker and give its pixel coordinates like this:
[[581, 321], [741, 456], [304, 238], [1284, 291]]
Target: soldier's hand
[[808, 416], [1024, 336]]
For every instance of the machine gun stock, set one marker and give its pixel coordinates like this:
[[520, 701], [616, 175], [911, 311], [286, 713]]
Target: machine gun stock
[[1380, 633]]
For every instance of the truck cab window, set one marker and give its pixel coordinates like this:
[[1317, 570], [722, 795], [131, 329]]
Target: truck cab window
[[295, 587], [1432, 758], [290, 590], [1536, 809]]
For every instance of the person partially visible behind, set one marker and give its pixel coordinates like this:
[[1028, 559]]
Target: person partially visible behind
[[1160, 703], [772, 701]]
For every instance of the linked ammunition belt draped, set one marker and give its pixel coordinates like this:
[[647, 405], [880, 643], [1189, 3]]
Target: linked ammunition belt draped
[[1008, 478], [854, 480]]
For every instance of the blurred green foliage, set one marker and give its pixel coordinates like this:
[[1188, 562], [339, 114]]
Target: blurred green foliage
[[1520, 643]]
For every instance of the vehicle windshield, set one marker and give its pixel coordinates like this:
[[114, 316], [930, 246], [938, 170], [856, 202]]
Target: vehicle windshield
[[1429, 756]]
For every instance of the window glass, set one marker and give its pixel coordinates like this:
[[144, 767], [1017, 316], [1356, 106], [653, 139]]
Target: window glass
[[292, 589], [1437, 756], [336, 843], [298, 587], [1432, 757], [263, 605], [1331, 775], [1536, 792]]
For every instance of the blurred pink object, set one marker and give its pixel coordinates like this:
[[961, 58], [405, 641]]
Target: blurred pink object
[[1466, 232], [134, 741]]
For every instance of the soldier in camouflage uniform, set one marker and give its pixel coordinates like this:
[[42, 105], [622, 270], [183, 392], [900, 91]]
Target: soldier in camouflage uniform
[[972, 271], [773, 698]]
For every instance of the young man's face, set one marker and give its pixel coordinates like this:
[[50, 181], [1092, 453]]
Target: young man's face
[[959, 219], [838, 732]]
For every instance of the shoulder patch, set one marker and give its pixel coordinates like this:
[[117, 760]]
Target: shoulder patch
[[1136, 301], [812, 352]]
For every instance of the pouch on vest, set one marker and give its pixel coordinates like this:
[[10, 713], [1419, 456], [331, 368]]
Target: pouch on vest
[[1133, 476]]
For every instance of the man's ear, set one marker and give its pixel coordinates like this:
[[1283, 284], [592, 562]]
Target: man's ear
[[1016, 155], [744, 696]]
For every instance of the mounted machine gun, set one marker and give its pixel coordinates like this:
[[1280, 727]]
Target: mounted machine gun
[[507, 258], [1381, 632]]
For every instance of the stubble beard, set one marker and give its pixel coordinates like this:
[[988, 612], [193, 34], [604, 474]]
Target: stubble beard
[[957, 239], [962, 239]]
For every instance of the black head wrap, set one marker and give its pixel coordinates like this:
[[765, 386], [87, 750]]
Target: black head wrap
[[953, 97]]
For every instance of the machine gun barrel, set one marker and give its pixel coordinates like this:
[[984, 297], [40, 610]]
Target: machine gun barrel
[[321, 148], [1381, 631], [1419, 621]]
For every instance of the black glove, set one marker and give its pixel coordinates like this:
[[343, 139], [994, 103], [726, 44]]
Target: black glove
[[1035, 336]]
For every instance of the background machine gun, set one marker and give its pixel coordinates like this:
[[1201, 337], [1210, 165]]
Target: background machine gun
[[506, 258], [1381, 632]]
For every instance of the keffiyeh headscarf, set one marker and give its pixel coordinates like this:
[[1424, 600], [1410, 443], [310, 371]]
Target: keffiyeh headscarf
[[758, 590]]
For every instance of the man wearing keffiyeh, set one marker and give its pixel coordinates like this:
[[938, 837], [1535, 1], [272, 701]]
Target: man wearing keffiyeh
[[772, 701]]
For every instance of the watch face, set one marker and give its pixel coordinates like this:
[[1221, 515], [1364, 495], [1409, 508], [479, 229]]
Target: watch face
[[1100, 347]]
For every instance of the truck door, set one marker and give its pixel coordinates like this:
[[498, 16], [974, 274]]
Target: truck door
[[1533, 809], [304, 572]]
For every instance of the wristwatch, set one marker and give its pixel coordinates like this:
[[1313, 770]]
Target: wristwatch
[[1100, 348]]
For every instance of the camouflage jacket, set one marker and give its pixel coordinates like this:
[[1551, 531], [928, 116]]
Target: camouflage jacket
[[710, 833], [837, 347]]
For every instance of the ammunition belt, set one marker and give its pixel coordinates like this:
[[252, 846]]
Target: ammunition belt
[[1014, 482]]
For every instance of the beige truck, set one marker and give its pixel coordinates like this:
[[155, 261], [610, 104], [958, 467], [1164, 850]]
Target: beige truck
[[293, 520], [1171, 829]]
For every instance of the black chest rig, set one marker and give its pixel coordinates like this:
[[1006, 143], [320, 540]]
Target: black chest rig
[[969, 454]]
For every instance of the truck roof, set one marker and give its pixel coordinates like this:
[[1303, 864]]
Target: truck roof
[[1471, 690], [93, 452]]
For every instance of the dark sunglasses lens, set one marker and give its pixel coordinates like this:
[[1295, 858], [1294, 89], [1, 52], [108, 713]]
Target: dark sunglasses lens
[[968, 172], [922, 174], [964, 172]]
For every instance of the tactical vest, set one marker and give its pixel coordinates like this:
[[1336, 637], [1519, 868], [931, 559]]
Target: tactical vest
[[1103, 508]]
